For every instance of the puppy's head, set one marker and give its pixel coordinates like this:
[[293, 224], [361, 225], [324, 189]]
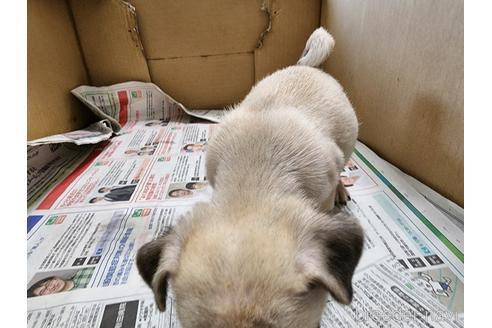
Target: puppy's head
[[271, 268]]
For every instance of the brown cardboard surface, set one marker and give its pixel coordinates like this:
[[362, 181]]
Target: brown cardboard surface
[[292, 23], [401, 63], [189, 28], [54, 66], [178, 33], [110, 41], [206, 81]]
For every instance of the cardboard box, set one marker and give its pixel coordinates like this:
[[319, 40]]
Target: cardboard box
[[400, 62]]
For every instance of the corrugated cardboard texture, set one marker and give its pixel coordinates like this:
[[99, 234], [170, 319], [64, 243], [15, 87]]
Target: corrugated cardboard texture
[[205, 82], [181, 38], [110, 41], [401, 63], [188, 28], [54, 66], [292, 23]]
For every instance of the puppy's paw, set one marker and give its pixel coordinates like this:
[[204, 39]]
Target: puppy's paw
[[342, 195]]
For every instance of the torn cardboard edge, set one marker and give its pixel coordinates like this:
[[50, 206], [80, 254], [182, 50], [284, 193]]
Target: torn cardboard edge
[[266, 9], [133, 23], [110, 41]]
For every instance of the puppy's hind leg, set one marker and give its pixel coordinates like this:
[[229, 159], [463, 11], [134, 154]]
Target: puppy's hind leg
[[341, 194], [339, 197]]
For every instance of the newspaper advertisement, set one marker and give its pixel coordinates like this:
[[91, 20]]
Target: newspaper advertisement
[[137, 101], [90, 249], [85, 229], [148, 163]]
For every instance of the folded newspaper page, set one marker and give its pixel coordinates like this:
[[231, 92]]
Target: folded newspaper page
[[92, 134], [212, 115], [135, 101], [93, 211]]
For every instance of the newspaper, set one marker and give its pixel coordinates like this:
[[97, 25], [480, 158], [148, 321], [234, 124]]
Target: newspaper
[[212, 115], [136, 101], [383, 297], [447, 207], [48, 164], [84, 230], [146, 164], [92, 134]]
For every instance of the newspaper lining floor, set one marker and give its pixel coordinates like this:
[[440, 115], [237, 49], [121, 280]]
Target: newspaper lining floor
[[83, 232]]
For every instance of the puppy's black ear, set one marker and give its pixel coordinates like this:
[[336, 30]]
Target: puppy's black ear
[[148, 258], [148, 261], [342, 242]]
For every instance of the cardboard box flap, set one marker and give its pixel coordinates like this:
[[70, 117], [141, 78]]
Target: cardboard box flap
[[249, 38], [110, 41], [187, 28], [205, 82], [55, 66]]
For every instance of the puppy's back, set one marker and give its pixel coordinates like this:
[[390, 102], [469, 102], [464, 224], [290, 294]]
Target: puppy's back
[[254, 154], [313, 92]]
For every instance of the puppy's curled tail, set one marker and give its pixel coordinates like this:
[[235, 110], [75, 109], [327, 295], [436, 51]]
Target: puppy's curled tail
[[318, 48]]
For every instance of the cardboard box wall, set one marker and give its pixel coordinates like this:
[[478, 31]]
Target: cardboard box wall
[[401, 63]]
